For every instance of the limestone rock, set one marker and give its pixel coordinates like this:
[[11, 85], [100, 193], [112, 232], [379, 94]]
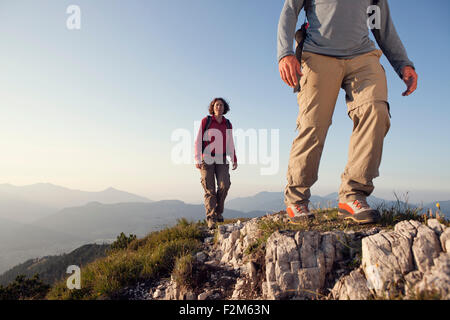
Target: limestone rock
[[408, 254], [437, 227], [157, 294], [445, 240], [204, 295], [352, 287], [411, 279], [386, 257], [298, 263], [425, 248], [437, 278], [407, 228]]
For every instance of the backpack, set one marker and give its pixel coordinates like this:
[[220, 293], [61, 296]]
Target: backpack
[[208, 124]]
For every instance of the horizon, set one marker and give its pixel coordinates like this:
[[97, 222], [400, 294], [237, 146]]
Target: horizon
[[400, 194]]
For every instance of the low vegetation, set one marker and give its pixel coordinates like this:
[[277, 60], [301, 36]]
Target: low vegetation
[[52, 269], [182, 272], [146, 259], [122, 241], [24, 289]]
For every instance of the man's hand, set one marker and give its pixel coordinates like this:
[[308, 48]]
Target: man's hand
[[410, 78], [288, 67], [198, 165], [235, 165]]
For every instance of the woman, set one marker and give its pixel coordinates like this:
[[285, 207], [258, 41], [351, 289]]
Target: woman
[[214, 137]]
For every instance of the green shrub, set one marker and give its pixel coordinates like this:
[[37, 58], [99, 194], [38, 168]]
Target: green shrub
[[122, 241], [24, 289]]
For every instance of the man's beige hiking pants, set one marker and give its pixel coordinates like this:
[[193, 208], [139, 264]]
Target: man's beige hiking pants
[[364, 81], [215, 200]]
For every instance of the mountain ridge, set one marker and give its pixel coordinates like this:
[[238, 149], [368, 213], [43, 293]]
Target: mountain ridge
[[32, 202]]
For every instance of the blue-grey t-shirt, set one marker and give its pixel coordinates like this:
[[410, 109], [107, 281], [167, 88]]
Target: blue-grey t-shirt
[[339, 28]]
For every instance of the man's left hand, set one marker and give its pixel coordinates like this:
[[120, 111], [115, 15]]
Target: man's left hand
[[234, 166], [410, 78]]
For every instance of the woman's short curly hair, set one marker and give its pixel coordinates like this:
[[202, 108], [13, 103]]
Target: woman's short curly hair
[[226, 107]]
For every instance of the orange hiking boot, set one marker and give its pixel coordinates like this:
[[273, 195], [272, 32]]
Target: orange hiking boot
[[298, 212], [359, 211]]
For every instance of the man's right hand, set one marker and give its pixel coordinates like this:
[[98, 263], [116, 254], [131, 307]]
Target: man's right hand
[[288, 67]]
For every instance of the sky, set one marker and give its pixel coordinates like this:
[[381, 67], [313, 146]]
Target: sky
[[98, 107]]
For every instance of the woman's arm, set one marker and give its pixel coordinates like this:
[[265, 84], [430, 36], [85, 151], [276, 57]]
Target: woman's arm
[[199, 144]]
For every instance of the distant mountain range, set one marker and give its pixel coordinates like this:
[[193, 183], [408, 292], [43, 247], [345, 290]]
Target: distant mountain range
[[57, 231], [32, 202], [68, 228]]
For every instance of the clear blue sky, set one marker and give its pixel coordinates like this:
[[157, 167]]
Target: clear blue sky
[[96, 107]]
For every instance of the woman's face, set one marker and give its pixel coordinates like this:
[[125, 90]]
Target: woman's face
[[218, 108]]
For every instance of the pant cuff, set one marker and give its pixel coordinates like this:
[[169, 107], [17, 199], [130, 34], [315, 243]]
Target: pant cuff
[[352, 198]]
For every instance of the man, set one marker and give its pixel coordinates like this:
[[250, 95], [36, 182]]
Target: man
[[339, 54]]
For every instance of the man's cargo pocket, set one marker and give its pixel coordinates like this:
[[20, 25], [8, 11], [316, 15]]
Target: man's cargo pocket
[[389, 109], [302, 100], [356, 109]]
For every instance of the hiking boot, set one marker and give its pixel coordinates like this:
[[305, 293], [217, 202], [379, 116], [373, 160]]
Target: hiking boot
[[211, 223], [359, 211], [219, 218], [298, 212]]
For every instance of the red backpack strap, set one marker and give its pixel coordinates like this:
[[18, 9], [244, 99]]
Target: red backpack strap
[[228, 123], [208, 123]]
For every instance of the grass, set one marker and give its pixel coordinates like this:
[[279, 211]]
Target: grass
[[183, 270], [401, 210], [149, 258]]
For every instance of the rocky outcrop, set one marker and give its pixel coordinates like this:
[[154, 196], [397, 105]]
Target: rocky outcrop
[[404, 262], [436, 279], [243, 261], [352, 287], [301, 264]]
